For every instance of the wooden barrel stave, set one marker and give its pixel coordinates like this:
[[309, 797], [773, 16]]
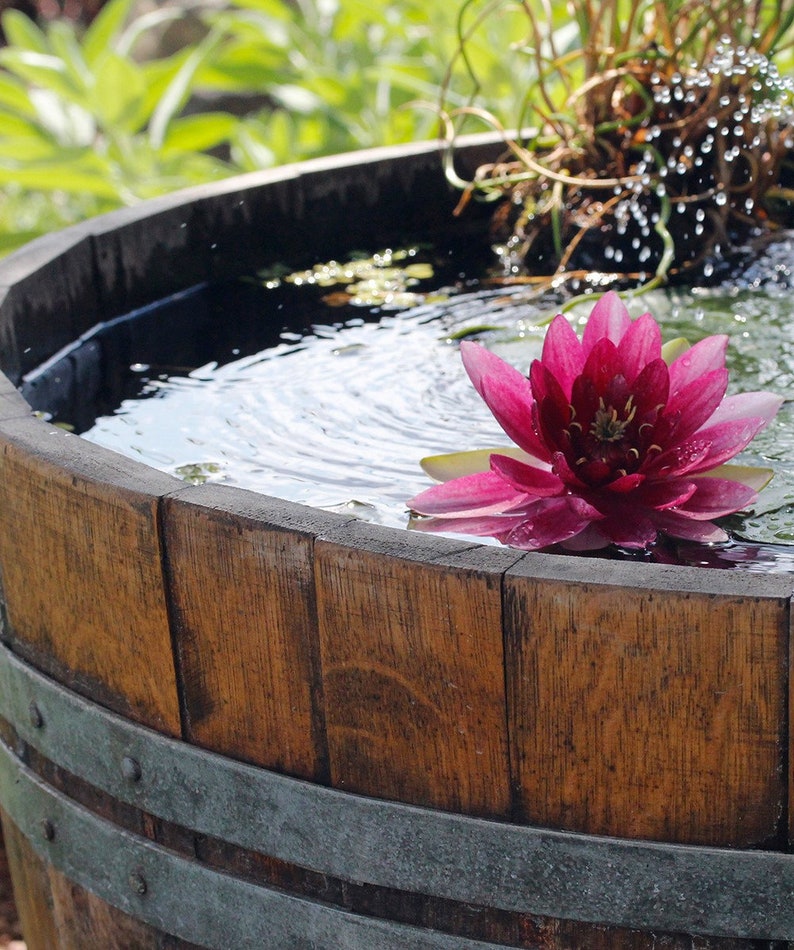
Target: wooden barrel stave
[[82, 573], [413, 669], [656, 711], [249, 673]]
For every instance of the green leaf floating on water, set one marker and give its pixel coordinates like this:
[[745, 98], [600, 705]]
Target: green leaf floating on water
[[772, 519], [382, 280], [466, 333], [772, 527], [197, 473]]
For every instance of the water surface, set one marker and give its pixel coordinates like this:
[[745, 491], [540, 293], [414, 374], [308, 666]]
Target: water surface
[[338, 413]]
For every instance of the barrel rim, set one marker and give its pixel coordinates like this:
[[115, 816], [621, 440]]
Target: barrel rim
[[92, 247]]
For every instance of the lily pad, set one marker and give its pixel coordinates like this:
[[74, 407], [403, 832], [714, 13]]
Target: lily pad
[[771, 527]]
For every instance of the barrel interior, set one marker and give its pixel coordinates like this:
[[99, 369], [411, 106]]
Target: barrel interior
[[634, 701]]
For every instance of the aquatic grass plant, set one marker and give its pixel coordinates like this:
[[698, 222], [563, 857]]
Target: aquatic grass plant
[[654, 138]]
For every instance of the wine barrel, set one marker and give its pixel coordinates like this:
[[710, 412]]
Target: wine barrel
[[233, 721]]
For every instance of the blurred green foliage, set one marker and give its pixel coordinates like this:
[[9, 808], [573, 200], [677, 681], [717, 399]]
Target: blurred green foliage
[[93, 119]]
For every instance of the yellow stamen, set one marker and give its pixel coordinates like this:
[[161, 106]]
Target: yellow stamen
[[606, 427]]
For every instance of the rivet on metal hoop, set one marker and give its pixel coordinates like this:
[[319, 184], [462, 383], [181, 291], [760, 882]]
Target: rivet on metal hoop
[[138, 882], [36, 718], [131, 769]]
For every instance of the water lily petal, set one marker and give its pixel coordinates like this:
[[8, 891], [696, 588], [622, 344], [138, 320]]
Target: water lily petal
[[527, 478], [493, 526], [762, 405], [480, 493], [589, 539], [650, 390], [514, 415], [552, 411], [681, 459], [601, 366], [562, 469], [608, 320], [666, 494], [726, 439], [550, 521], [480, 363], [716, 497], [689, 407], [681, 527], [641, 344], [629, 530], [704, 357], [443, 468], [545, 385], [627, 483], [562, 353], [507, 393]]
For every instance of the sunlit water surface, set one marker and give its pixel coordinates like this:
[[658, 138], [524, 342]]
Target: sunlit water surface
[[339, 417]]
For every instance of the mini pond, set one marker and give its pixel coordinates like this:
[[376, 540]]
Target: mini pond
[[559, 700], [327, 386]]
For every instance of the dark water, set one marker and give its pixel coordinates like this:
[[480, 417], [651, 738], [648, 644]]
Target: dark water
[[334, 406]]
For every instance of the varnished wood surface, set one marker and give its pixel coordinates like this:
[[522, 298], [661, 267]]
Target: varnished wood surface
[[413, 676], [245, 626], [32, 890], [82, 573], [649, 712]]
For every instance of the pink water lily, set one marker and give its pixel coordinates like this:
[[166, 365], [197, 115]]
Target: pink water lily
[[617, 439]]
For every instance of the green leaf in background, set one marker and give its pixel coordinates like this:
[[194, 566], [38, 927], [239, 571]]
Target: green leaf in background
[[64, 45], [14, 95], [198, 133], [253, 146], [68, 124], [140, 26], [117, 92], [21, 31], [58, 176], [176, 95], [42, 70], [101, 36]]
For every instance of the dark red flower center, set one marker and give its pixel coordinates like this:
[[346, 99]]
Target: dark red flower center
[[609, 435], [607, 426], [610, 426]]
